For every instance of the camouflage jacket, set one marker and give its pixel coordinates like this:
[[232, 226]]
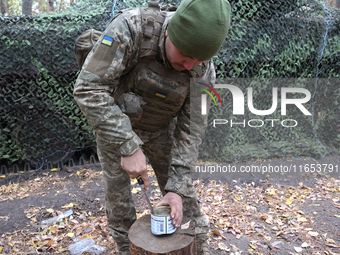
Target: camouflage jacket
[[94, 94]]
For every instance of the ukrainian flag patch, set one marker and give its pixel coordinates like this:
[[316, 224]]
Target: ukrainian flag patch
[[107, 40], [161, 94]]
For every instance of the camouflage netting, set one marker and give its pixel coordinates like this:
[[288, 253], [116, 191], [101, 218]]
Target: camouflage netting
[[40, 120]]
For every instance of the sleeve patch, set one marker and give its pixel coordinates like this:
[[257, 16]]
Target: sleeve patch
[[107, 40], [102, 57]]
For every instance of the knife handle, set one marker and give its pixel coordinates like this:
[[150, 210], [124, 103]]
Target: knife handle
[[140, 180]]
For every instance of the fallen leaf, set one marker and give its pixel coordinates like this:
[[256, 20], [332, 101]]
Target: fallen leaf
[[234, 248], [336, 205], [70, 235], [313, 233], [288, 201], [304, 245], [70, 205], [302, 219], [216, 232], [252, 246], [223, 247], [186, 225], [330, 241], [298, 249]]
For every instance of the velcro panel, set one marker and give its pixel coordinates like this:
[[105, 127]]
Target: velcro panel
[[102, 57]]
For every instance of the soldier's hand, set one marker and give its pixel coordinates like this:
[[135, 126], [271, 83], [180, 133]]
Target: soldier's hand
[[135, 165], [175, 202]]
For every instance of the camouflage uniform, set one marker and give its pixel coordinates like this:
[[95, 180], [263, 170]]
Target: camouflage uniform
[[171, 150]]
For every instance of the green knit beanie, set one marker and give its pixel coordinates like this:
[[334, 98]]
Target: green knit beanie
[[199, 27]]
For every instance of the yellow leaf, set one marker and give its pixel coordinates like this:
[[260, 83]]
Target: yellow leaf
[[50, 210], [1, 177], [337, 216], [53, 230], [54, 169], [302, 219], [134, 181], [238, 198], [328, 240], [134, 190], [252, 246], [70, 205], [271, 192], [70, 235], [288, 201], [1, 247]]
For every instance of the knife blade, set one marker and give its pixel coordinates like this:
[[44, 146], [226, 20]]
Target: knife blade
[[141, 182]]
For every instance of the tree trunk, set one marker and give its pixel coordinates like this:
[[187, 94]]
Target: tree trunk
[[337, 4], [3, 7], [26, 7], [142, 241], [50, 6]]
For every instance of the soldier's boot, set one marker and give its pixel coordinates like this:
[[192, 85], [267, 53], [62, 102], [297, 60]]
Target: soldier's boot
[[202, 245]]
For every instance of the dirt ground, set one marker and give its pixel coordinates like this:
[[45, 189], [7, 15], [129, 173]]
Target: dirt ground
[[250, 213]]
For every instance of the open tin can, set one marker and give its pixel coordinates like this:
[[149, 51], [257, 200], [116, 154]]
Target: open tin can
[[161, 222]]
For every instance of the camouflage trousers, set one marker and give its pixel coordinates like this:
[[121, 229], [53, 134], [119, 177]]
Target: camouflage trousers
[[120, 209]]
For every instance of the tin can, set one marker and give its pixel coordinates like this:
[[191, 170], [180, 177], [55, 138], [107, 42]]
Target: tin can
[[161, 222]]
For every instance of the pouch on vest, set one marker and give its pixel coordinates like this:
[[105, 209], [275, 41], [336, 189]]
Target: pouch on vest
[[85, 43], [131, 104]]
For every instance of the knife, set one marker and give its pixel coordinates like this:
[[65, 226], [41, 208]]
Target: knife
[[141, 182]]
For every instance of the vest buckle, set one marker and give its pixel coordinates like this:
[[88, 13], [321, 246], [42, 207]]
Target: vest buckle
[[148, 31]]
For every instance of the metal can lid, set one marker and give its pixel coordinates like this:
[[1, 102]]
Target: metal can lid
[[163, 210]]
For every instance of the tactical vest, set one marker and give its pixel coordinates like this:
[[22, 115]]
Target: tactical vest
[[163, 91]]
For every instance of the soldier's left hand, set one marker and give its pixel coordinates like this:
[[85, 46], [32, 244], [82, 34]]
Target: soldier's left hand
[[175, 202]]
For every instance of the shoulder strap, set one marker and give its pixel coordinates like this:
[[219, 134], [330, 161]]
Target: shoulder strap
[[152, 22]]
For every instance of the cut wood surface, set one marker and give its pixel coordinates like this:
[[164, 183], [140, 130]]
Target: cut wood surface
[[142, 241]]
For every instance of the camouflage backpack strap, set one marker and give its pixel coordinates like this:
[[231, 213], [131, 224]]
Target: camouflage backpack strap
[[86, 41], [152, 22], [84, 44]]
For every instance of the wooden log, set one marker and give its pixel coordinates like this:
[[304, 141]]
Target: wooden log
[[143, 242]]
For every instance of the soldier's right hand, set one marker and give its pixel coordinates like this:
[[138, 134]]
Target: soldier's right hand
[[135, 165]]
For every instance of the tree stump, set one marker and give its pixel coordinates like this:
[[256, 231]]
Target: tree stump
[[143, 242]]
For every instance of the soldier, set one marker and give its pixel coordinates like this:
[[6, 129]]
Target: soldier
[[133, 84]]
